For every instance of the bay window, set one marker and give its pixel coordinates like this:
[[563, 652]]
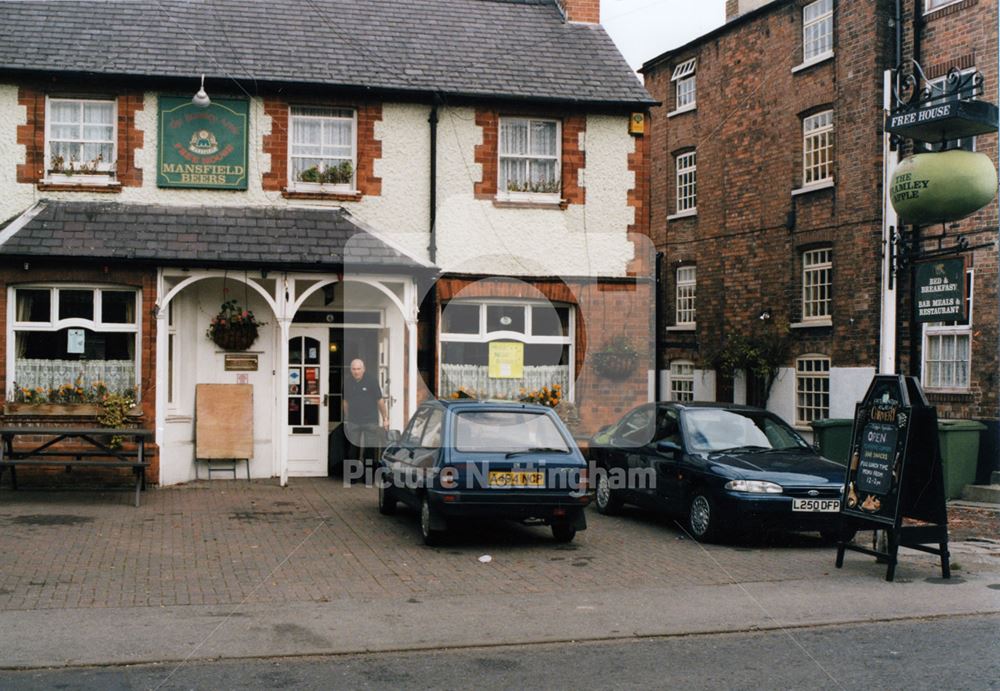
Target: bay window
[[79, 341], [495, 349]]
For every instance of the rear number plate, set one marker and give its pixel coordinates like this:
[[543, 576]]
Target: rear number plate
[[516, 479], [824, 505]]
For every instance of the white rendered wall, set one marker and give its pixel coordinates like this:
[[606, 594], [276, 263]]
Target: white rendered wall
[[848, 386], [474, 236]]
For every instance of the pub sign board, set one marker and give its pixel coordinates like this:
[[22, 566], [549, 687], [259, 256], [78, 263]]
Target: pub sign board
[[878, 449], [941, 290], [203, 147]]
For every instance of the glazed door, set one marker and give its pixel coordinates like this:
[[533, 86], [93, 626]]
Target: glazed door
[[308, 366]]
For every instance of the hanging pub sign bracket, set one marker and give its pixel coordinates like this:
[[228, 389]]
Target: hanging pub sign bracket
[[894, 474], [938, 113]]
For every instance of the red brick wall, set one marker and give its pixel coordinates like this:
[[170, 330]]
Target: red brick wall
[[573, 159], [749, 229], [145, 280], [31, 135], [369, 148], [604, 309]]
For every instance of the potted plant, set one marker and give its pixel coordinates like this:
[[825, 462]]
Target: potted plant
[[233, 328], [617, 359]]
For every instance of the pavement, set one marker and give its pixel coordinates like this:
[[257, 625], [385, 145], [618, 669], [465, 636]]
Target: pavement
[[233, 569]]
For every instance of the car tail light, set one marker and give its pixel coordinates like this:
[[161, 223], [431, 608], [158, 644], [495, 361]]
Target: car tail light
[[584, 480]]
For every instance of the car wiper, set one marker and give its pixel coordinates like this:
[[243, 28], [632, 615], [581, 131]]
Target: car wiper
[[746, 449], [536, 449]]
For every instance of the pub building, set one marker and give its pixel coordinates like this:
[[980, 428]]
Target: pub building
[[288, 193]]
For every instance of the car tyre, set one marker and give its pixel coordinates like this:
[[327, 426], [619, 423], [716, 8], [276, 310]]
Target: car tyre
[[386, 502], [431, 537], [607, 500], [703, 519], [563, 532]]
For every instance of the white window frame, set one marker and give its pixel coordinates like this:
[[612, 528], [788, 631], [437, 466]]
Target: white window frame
[[941, 82], [685, 84], [817, 277], [54, 324], [817, 136], [686, 183], [681, 372], [485, 336], [931, 6], [105, 171], [950, 330], [806, 407], [321, 187], [811, 58], [686, 295], [514, 196]]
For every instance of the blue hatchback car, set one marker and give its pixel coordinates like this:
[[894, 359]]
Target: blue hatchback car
[[483, 459]]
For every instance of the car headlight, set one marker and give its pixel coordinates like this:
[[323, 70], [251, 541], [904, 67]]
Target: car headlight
[[755, 486]]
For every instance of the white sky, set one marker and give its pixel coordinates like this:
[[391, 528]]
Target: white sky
[[642, 29]]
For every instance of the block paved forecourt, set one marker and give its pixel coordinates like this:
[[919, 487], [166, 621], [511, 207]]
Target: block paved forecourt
[[231, 542]]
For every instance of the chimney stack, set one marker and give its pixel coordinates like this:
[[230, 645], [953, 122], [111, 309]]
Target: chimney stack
[[734, 8], [584, 11]]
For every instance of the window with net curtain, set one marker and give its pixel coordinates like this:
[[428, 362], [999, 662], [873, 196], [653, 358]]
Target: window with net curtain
[[468, 328], [47, 355], [529, 157], [322, 146], [80, 135], [947, 351]]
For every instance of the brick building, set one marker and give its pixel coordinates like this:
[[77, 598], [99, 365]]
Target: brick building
[[767, 204], [392, 181]]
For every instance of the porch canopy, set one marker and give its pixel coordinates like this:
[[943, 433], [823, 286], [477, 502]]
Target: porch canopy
[[290, 253], [250, 237]]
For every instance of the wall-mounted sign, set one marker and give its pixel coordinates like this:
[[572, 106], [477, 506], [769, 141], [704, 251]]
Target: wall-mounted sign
[[241, 362], [941, 187], [939, 121], [75, 341], [506, 360], [203, 147], [941, 290]]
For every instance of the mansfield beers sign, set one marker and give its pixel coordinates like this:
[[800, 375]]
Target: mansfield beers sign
[[940, 291], [203, 147]]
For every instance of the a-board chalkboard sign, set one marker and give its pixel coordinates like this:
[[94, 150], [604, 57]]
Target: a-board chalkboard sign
[[894, 472]]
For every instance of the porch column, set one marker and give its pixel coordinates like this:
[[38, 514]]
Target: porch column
[[284, 329], [162, 366], [411, 368]]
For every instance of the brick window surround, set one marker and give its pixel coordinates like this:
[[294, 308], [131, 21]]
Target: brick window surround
[[369, 149], [31, 136], [487, 155]]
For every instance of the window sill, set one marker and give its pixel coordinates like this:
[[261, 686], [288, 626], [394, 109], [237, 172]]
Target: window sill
[[949, 395], [814, 187], [813, 324], [508, 203], [819, 59], [322, 195], [683, 327], [685, 109], [62, 409], [953, 6], [683, 214], [76, 183]]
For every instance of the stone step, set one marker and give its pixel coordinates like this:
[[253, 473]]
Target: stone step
[[982, 493]]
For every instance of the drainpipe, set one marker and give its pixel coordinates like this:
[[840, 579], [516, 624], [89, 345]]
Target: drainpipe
[[658, 325], [433, 120]]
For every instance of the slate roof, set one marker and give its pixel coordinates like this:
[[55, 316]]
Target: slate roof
[[499, 48], [256, 237]]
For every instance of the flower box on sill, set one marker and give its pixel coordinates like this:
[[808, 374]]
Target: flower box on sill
[[61, 409], [322, 188], [89, 179]]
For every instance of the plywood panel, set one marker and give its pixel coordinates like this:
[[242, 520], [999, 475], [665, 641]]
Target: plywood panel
[[223, 421]]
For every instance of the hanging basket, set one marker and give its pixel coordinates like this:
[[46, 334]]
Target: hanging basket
[[238, 337], [615, 365]]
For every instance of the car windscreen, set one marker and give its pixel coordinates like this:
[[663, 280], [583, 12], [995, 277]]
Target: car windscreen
[[714, 429], [486, 431]]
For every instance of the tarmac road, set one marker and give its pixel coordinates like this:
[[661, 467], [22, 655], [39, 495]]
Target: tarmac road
[[954, 652]]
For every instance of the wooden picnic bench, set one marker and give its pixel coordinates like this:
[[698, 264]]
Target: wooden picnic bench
[[94, 453]]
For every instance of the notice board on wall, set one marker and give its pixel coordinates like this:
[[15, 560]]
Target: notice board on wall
[[223, 421]]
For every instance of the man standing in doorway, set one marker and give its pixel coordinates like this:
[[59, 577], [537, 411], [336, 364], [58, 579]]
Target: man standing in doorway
[[363, 407]]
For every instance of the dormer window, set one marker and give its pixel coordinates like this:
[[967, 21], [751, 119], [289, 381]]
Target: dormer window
[[530, 166], [684, 84], [80, 141]]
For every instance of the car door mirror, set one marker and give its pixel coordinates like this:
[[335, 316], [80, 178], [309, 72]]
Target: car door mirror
[[668, 448]]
